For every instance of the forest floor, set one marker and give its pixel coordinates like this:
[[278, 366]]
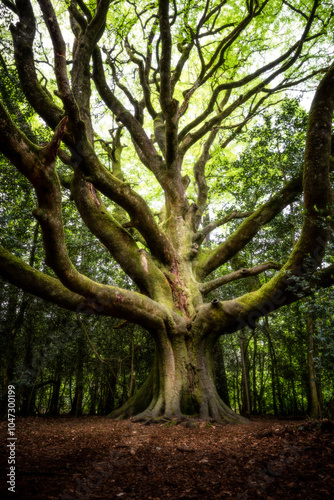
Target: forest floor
[[95, 458]]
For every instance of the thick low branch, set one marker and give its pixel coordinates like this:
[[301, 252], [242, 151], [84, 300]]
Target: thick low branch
[[106, 301], [236, 275], [20, 274], [232, 315]]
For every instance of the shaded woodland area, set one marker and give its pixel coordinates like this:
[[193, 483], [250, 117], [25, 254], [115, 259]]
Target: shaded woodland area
[[61, 364], [166, 248]]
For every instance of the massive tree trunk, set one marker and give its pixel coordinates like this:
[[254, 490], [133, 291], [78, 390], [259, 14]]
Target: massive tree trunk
[[181, 382]]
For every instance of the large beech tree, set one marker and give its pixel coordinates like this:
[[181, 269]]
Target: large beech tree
[[172, 78]]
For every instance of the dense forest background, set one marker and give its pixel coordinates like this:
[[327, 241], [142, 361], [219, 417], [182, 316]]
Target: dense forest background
[[76, 363]]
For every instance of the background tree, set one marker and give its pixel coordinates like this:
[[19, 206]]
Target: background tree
[[199, 72]]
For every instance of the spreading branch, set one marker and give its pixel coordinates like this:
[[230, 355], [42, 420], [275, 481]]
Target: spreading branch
[[212, 259], [236, 275]]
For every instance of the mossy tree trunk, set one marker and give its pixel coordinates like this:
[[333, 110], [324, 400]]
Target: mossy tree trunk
[[181, 382], [164, 257]]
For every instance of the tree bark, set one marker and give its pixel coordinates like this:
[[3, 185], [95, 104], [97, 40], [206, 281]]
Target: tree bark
[[180, 384], [246, 403]]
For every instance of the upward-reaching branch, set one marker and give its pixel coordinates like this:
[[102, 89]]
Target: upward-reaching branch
[[169, 105], [151, 157]]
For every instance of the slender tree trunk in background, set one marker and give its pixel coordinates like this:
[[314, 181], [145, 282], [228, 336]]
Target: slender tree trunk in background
[[255, 395], [276, 385], [27, 394], [132, 367], [15, 322], [262, 381], [279, 388], [93, 393], [314, 409], [54, 403], [108, 384], [9, 351], [272, 364], [293, 387], [220, 374], [235, 405], [79, 375], [237, 398], [246, 405]]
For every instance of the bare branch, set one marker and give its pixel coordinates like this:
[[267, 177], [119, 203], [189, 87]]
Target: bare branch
[[283, 62], [295, 9], [201, 235], [20, 274], [249, 228], [236, 275]]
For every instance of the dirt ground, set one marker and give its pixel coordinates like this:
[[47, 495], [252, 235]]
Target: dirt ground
[[95, 458]]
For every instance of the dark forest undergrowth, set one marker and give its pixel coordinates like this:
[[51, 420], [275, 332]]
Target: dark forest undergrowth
[[95, 457]]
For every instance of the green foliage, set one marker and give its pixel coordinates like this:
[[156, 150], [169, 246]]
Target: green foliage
[[271, 154]]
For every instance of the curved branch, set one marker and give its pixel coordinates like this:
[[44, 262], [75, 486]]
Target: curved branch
[[212, 259], [139, 136], [143, 75], [236, 275], [105, 301]]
